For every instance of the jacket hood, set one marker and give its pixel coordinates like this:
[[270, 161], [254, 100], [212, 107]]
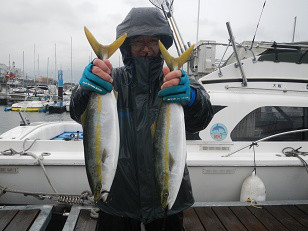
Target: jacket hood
[[146, 21]]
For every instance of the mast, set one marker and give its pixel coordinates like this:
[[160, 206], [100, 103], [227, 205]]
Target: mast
[[34, 66], [38, 65], [55, 62], [23, 67], [294, 26], [71, 62], [47, 70], [23, 64], [198, 21]]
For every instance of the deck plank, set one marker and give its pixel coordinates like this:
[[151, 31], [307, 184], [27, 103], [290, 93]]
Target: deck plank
[[284, 217], [304, 208], [228, 218], [23, 220], [247, 218], [297, 214], [209, 219], [6, 217], [267, 219], [191, 221], [85, 221]]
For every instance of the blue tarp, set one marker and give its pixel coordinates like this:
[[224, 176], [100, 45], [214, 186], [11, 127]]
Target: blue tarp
[[68, 136]]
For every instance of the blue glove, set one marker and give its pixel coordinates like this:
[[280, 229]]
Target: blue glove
[[179, 93], [93, 82]]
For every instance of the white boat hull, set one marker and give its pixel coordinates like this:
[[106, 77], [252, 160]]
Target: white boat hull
[[214, 178], [282, 183]]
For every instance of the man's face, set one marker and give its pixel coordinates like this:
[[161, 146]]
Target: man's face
[[144, 46]]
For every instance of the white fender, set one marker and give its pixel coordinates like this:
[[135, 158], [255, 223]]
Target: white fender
[[253, 188]]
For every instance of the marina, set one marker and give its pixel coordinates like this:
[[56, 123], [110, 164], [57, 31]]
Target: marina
[[248, 168], [266, 138], [267, 134]]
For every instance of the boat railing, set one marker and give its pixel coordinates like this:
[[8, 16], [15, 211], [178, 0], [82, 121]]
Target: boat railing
[[255, 143], [253, 49]]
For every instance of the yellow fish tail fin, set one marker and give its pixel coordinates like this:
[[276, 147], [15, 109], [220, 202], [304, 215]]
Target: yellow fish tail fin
[[175, 63], [103, 52], [183, 58], [116, 44]]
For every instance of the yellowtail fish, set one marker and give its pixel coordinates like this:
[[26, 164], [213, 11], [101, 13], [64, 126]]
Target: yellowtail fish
[[101, 135], [170, 140]]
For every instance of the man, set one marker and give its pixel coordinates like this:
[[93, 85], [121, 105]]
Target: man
[[132, 197]]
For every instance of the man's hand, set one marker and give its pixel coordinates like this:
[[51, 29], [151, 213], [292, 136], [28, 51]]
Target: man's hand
[[96, 76], [176, 86], [171, 78]]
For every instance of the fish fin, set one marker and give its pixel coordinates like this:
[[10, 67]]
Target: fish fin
[[83, 117], [171, 161], [104, 156], [103, 52], [115, 94], [116, 44], [104, 195], [97, 191], [175, 63], [153, 127]]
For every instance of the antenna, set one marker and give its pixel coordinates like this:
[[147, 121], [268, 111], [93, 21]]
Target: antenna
[[253, 40]]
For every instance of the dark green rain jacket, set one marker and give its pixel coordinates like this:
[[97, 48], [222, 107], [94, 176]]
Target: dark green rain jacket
[[133, 192]]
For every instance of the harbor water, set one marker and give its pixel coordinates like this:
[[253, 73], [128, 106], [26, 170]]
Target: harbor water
[[11, 119]]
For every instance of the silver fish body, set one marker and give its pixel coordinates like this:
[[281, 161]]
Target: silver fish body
[[169, 152], [101, 138]]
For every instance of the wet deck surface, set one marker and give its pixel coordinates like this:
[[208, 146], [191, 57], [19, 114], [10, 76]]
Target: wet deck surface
[[17, 218], [275, 217], [269, 217]]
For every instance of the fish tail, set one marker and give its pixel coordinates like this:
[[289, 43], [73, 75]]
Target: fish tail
[[175, 63], [104, 52]]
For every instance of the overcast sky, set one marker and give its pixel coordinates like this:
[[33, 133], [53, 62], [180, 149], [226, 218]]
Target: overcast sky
[[45, 23]]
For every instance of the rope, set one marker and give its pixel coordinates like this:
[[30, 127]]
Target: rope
[[253, 203], [24, 152], [291, 152], [253, 144], [267, 138], [84, 198]]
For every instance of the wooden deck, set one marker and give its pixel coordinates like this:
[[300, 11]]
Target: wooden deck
[[20, 218], [269, 217]]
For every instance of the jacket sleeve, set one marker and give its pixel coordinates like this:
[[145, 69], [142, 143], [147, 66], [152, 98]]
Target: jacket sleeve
[[200, 113], [79, 102]]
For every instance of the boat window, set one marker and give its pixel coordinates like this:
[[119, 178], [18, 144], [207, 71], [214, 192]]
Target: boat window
[[270, 120], [285, 56]]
